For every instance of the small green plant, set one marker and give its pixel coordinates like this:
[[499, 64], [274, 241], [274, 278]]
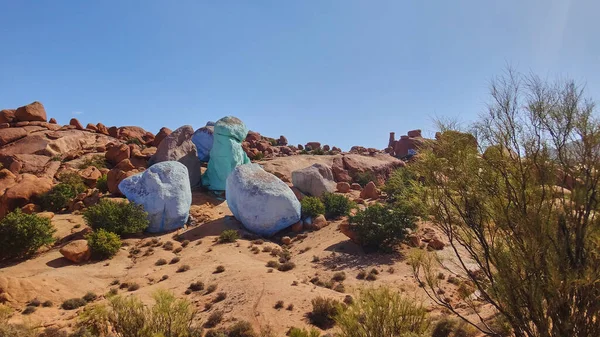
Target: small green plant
[[297, 332], [102, 183], [168, 245], [73, 303], [286, 266], [340, 288], [278, 305], [361, 275], [133, 141], [185, 243], [133, 287], [28, 310], [382, 227], [57, 157], [89, 297], [363, 178], [273, 264], [215, 318], [324, 311], [196, 286], [59, 196], [241, 329], [103, 244], [219, 269], [303, 152], [160, 262], [117, 217], [336, 205], [220, 297], [97, 161], [317, 152], [211, 288], [312, 206], [339, 276], [229, 236], [258, 156], [183, 268], [22, 234]]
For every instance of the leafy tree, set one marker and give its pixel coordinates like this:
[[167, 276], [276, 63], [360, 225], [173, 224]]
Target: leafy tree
[[523, 214]]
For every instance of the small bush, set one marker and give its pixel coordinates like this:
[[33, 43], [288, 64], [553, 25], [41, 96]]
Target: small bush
[[286, 266], [71, 184], [229, 236], [183, 268], [160, 262], [197, 286], [164, 277], [279, 304], [241, 329], [219, 269], [73, 303], [168, 245], [340, 288], [133, 287], [103, 244], [297, 332], [177, 250], [175, 260], [89, 297], [23, 234], [117, 217], [363, 178], [336, 205], [312, 206], [34, 303], [361, 275], [371, 277], [273, 264], [377, 311], [215, 318], [323, 312], [382, 227], [290, 307], [185, 243], [135, 141], [216, 333], [47, 304], [97, 161], [220, 297], [28, 310], [339, 276], [211, 288]]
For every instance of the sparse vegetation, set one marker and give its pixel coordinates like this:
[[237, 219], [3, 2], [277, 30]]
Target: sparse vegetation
[[339, 276], [363, 178], [241, 329], [22, 234], [117, 217], [273, 264], [229, 236], [219, 269], [47, 304], [215, 318], [160, 262], [60, 195], [286, 266], [185, 243], [28, 310], [324, 311], [220, 297], [73, 303], [175, 260], [211, 288], [312, 206], [297, 332], [336, 205], [97, 161], [168, 245], [89, 297], [278, 305], [197, 286], [103, 245], [183, 268]]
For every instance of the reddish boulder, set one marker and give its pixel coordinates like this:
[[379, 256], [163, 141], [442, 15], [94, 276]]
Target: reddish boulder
[[326, 148], [125, 165], [313, 145], [27, 188], [347, 230], [253, 136], [285, 150], [414, 133], [113, 131], [132, 132], [343, 187], [76, 124], [115, 154], [356, 186], [76, 251], [339, 172], [162, 134], [336, 149], [435, 244], [4, 125], [7, 116], [263, 145], [91, 126], [31, 208], [370, 191], [31, 112], [11, 134], [414, 240], [300, 147], [102, 129], [90, 175], [52, 121], [114, 177], [282, 141], [297, 227]]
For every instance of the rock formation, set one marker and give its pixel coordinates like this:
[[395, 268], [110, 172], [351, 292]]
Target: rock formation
[[203, 139], [178, 146], [314, 180]]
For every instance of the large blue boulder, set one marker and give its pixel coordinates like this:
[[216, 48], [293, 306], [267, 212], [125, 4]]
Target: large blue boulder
[[165, 193], [203, 139], [260, 201]]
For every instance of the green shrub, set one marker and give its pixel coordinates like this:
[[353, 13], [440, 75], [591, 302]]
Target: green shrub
[[258, 156], [133, 141], [215, 318], [336, 205], [23, 234], [117, 217], [97, 161], [59, 196], [103, 244], [382, 227], [229, 236], [89, 297], [28, 310], [324, 311], [72, 179], [216, 333], [312, 206], [303, 152], [297, 332], [382, 312], [102, 183], [286, 266], [363, 178], [403, 188], [317, 152], [241, 329], [73, 303]]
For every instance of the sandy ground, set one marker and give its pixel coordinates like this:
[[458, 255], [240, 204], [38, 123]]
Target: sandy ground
[[252, 289]]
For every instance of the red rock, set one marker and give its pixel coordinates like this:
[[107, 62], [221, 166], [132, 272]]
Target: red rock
[[285, 150], [131, 132], [253, 136], [326, 148], [336, 149], [90, 175], [27, 188], [115, 154], [114, 177], [414, 240], [347, 230], [52, 121], [300, 147], [299, 195], [11, 134], [31, 112], [356, 187], [392, 140], [76, 251], [436, 244], [263, 145], [125, 165], [102, 129], [113, 131], [76, 123], [414, 133], [282, 141], [370, 191], [31, 208], [7, 115], [286, 240], [343, 187], [91, 126], [339, 173], [21, 124], [313, 145], [4, 125], [320, 222], [297, 227]]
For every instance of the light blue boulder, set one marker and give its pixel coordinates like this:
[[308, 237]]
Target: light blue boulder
[[260, 201], [226, 152], [165, 193], [203, 139]]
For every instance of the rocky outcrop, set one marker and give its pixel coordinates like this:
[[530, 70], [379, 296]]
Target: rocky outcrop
[[165, 193], [31, 112], [162, 134], [24, 189], [76, 123], [10, 135], [343, 187], [178, 146], [314, 180], [7, 116], [260, 201], [76, 251], [118, 153], [203, 139], [370, 191]]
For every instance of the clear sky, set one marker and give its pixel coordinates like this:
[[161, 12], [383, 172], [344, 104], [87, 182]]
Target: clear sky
[[341, 72]]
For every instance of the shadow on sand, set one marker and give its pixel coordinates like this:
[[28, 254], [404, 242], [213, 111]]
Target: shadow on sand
[[347, 254]]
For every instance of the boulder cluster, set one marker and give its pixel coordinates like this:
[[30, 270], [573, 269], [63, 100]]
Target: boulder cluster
[[405, 147]]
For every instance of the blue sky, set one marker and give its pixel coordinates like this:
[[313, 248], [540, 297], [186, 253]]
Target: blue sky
[[342, 72]]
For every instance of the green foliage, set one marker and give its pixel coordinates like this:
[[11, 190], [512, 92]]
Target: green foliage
[[453, 328], [102, 183], [117, 217], [336, 205], [215, 318], [363, 178], [380, 313], [382, 227], [133, 141], [303, 152], [312, 206], [229, 236], [317, 152], [324, 311], [23, 234], [103, 244], [258, 156], [60, 195], [97, 161], [129, 317], [403, 188], [297, 332], [73, 303], [241, 329]]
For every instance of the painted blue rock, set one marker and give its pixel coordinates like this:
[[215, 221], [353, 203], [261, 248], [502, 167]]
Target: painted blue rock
[[260, 201], [203, 139], [165, 193]]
